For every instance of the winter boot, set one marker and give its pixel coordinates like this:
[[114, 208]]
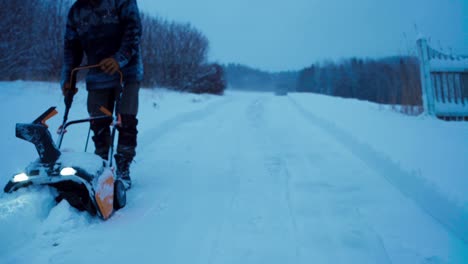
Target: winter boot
[[123, 169]]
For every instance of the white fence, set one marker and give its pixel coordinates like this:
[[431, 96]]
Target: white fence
[[444, 82]]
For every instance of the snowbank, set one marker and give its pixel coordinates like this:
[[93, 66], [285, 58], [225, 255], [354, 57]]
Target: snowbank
[[434, 150]]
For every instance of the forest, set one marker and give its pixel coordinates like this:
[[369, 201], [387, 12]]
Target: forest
[[175, 54]]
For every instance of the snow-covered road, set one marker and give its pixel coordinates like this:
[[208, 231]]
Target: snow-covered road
[[243, 178]]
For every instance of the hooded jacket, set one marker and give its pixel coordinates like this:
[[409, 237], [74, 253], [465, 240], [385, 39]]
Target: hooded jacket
[[101, 29]]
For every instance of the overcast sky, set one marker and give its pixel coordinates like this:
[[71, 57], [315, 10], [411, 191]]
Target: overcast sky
[[292, 34]]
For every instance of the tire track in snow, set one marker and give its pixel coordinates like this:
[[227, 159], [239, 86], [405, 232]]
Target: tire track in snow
[[153, 135], [159, 130], [349, 238], [279, 169], [184, 186], [274, 162], [451, 216], [255, 226], [215, 249]]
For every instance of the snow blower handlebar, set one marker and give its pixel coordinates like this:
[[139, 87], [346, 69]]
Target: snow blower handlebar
[[68, 100], [87, 67], [69, 93]]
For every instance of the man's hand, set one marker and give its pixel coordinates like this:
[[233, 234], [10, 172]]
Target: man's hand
[[67, 89], [109, 66]]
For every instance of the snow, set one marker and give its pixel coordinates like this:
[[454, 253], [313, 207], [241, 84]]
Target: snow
[[449, 65], [451, 109], [105, 188], [432, 149], [87, 161], [250, 178]]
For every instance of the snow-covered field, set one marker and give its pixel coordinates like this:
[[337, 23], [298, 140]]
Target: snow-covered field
[[250, 178]]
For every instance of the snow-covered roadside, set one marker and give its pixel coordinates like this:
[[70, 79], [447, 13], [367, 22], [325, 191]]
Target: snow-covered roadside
[[410, 153], [431, 149]]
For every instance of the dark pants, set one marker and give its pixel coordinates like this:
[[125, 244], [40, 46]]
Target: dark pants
[[128, 110]]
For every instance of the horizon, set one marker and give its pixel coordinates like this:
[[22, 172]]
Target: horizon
[[319, 63]]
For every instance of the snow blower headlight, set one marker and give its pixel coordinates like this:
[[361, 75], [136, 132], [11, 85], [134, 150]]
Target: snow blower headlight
[[20, 177], [68, 171]]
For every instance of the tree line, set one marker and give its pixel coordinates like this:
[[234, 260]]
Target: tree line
[[393, 80], [174, 54]]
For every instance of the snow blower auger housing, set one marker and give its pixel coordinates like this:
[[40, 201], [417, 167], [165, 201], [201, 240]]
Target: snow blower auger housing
[[84, 179]]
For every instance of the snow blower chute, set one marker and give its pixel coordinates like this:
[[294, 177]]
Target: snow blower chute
[[84, 179]]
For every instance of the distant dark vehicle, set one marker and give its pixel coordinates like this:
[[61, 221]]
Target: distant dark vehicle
[[281, 90]]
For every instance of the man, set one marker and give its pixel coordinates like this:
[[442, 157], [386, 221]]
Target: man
[[108, 32]]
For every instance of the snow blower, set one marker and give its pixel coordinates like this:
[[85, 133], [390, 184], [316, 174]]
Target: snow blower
[[84, 179]]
